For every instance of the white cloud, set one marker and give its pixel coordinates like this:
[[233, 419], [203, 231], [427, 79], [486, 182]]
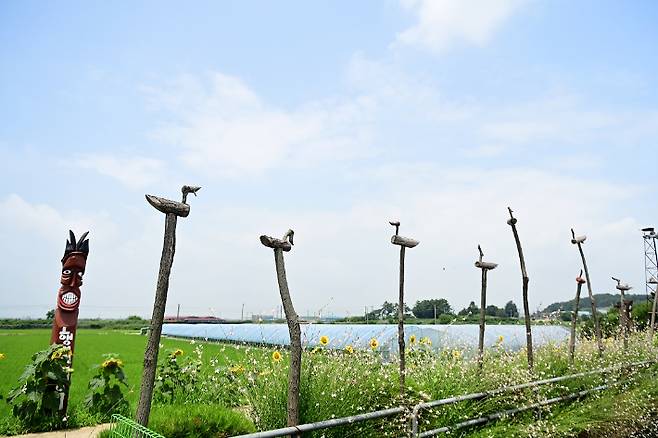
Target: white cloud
[[133, 172], [442, 23], [224, 128]]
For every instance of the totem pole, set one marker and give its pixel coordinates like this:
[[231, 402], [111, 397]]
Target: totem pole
[[172, 211], [484, 266], [574, 316], [294, 376], [524, 275], [403, 243], [68, 300]]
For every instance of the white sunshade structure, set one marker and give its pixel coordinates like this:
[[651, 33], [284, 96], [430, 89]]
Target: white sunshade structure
[[462, 337]]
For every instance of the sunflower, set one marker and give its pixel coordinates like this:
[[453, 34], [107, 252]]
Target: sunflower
[[456, 354], [2, 356], [237, 369], [177, 352], [59, 353], [412, 339], [276, 356], [349, 349], [324, 340], [374, 344], [112, 363], [426, 341], [500, 339]]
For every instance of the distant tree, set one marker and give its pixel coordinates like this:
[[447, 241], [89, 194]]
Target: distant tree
[[511, 310], [425, 308], [50, 315], [472, 309], [492, 310]]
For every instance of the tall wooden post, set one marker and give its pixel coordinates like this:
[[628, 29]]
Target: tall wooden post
[[624, 317], [172, 211], [597, 327], [524, 274], [484, 267], [294, 376], [403, 243], [574, 316]]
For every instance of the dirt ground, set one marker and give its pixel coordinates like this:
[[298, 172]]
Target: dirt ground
[[85, 432]]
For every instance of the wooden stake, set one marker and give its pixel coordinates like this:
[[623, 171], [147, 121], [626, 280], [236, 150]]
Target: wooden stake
[[597, 327], [172, 210], [294, 376], [404, 243], [623, 311], [484, 266], [574, 316], [526, 308]]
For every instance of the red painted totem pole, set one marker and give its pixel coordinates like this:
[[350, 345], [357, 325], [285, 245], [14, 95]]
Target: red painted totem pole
[[68, 297]]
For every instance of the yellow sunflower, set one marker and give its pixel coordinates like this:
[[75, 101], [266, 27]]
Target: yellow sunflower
[[412, 339], [177, 352], [456, 354], [2, 356], [112, 363], [500, 339], [237, 369], [349, 349], [374, 344], [324, 340], [276, 356]]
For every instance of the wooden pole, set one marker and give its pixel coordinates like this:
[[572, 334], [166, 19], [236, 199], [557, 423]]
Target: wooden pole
[[294, 375], [597, 327], [401, 343], [483, 305], [172, 210], [623, 311], [403, 242], [574, 316], [484, 267], [526, 308]]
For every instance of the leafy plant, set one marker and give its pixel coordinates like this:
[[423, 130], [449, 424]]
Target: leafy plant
[[105, 396], [174, 380], [35, 401]]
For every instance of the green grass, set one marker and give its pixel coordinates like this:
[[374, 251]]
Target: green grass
[[18, 346], [339, 383]]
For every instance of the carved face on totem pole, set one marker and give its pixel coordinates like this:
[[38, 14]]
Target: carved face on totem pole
[[73, 268]]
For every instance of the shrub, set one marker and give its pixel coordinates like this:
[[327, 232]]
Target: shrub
[[198, 421], [105, 397], [36, 399]]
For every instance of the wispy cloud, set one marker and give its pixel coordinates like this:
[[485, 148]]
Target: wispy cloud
[[133, 172], [442, 23], [224, 128]]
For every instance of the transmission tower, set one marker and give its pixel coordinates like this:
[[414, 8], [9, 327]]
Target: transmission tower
[[650, 262]]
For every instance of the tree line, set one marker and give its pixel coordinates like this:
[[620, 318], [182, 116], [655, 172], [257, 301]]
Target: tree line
[[435, 308]]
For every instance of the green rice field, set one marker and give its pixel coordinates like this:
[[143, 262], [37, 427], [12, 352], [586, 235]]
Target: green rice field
[[19, 345]]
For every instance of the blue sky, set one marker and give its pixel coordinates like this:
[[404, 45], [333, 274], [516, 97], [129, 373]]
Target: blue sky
[[330, 118]]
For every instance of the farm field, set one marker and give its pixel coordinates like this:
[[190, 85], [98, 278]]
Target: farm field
[[217, 384], [91, 345]]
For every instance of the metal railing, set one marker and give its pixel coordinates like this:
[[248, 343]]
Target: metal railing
[[488, 394], [123, 427], [326, 424], [415, 412]]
